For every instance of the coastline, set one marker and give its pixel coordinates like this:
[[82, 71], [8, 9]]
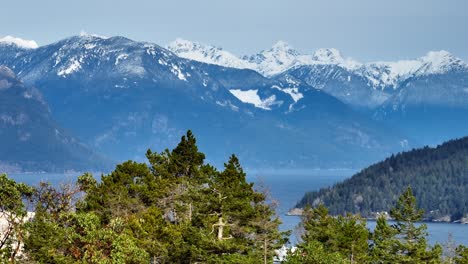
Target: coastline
[[463, 221]]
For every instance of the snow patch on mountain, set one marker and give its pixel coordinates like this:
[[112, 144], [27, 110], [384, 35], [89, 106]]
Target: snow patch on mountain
[[252, 97], [120, 57], [74, 65], [22, 43], [293, 92], [228, 103], [177, 72]]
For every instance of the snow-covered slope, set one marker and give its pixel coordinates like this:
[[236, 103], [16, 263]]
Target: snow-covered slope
[[282, 57], [119, 59], [393, 74], [277, 59], [22, 43], [252, 97], [208, 54]]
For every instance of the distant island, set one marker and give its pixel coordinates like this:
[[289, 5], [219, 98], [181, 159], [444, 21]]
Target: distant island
[[438, 176]]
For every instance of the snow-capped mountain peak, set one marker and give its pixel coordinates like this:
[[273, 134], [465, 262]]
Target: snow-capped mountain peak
[[277, 59], [86, 34], [207, 53], [280, 48], [280, 57], [392, 73], [329, 56], [439, 62], [22, 43], [181, 45]]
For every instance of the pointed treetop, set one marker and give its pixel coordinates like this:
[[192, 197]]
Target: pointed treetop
[[406, 208], [185, 158]]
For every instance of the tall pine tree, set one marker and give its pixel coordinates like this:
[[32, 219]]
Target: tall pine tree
[[405, 241]]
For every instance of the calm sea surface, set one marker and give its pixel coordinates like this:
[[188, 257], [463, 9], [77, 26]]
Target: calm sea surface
[[287, 189]]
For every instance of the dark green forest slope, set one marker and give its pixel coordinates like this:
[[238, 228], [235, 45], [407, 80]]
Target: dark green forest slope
[[438, 176]]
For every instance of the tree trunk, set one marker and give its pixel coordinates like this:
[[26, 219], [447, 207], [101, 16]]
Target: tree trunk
[[190, 212], [220, 228]]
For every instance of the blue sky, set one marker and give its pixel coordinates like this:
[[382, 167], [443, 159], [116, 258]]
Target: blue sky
[[363, 29]]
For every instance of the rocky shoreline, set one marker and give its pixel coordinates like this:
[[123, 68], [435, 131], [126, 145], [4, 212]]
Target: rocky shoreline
[[375, 216]]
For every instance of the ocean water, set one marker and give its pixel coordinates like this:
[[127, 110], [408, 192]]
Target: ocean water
[[286, 189]]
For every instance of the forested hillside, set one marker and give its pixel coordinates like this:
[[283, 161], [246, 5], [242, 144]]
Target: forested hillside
[[438, 176]]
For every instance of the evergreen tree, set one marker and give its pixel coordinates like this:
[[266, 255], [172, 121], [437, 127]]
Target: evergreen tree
[[405, 241], [242, 227], [119, 194], [412, 244], [351, 238], [177, 210], [462, 255], [318, 226], [186, 160], [344, 235], [384, 242], [314, 253]]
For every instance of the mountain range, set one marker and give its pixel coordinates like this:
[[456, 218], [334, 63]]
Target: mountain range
[[327, 68], [413, 96], [278, 108]]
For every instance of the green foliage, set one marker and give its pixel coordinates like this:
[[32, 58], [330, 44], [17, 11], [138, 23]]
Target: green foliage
[[12, 195], [318, 225], [118, 194], [437, 176], [347, 237], [242, 224], [185, 158], [176, 210], [314, 253], [46, 237], [81, 238], [462, 255], [384, 242], [404, 242], [344, 235], [351, 238], [12, 210]]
